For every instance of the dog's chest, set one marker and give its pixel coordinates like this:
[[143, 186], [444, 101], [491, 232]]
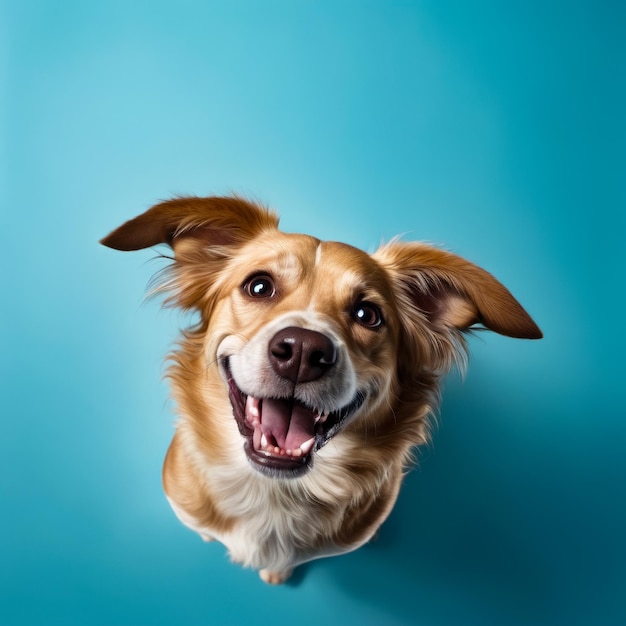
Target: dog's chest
[[274, 524], [277, 526]]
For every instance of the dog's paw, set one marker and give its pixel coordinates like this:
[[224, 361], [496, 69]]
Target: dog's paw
[[275, 578]]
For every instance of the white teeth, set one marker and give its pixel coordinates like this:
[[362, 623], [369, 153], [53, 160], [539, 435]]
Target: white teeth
[[303, 450], [322, 417], [253, 408], [307, 446]]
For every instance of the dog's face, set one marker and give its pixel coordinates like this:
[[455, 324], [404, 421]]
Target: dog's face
[[305, 334], [310, 338]]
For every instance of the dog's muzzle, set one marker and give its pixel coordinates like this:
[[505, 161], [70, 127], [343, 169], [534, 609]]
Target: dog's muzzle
[[282, 433]]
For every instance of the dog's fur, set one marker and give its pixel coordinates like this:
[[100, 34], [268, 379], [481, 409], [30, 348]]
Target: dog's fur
[[310, 345]]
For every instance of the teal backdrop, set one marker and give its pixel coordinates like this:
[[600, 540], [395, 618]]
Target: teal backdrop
[[496, 129]]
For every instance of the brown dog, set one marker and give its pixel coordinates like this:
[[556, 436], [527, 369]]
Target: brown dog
[[309, 377]]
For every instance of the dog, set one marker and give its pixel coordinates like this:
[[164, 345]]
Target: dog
[[309, 377]]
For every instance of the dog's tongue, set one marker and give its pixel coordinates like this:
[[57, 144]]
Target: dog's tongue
[[288, 422]]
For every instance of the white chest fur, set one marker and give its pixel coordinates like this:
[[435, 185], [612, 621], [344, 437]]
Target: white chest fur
[[279, 523]]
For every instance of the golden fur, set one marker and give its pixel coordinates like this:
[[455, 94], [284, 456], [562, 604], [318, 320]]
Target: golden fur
[[392, 325]]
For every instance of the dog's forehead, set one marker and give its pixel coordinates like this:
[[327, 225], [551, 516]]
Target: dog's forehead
[[347, 262], [306, 259], [293, 248], [292, 256]]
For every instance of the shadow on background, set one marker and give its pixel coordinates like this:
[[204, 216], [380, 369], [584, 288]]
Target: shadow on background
[[484, 534]]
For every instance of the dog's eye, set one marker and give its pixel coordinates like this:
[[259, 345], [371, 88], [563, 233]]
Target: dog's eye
[[259, 286], [368, 315]]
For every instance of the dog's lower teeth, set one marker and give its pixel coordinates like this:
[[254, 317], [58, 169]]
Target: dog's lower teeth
[[307, 446], [270, 450]]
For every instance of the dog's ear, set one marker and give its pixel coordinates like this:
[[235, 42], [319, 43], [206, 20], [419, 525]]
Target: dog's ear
[[452, 293], [204, 233], [217, 221]]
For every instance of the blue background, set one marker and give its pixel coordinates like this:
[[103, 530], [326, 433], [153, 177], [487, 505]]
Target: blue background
[[494, 128]]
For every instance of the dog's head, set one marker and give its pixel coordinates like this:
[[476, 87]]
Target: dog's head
[[310, 337]]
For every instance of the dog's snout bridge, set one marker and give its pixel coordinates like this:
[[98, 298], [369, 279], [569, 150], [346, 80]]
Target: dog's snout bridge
[[301, 355]]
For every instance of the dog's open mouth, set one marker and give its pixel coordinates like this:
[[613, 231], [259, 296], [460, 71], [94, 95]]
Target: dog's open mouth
[[282, 434]]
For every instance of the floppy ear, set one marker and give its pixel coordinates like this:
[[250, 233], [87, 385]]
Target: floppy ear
[[219, 221], [204, 234], [452, 293]]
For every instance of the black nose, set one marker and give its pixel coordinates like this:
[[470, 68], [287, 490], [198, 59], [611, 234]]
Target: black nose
[[301, 355]]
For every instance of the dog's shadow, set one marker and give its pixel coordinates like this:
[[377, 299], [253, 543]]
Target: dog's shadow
[[447, 553]]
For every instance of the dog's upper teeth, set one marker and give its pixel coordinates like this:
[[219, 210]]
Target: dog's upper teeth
[[322, 417], [253, 409]]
